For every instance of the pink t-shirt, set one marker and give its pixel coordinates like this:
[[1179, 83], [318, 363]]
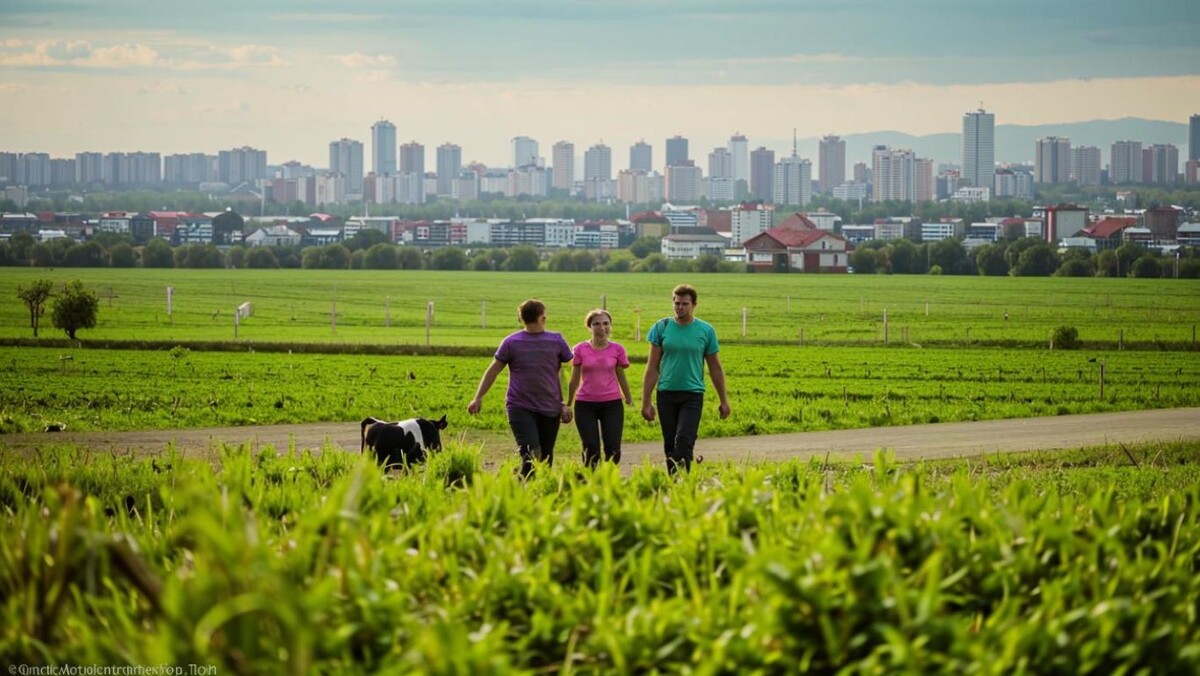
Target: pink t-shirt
[[599, 371]]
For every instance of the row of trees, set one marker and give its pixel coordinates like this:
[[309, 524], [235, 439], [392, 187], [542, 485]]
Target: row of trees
[[74, 307], [1025, 257]]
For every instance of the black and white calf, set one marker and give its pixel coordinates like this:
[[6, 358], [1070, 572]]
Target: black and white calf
[[402, 443]]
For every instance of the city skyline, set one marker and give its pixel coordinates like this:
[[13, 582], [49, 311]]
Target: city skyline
[[290, 80]]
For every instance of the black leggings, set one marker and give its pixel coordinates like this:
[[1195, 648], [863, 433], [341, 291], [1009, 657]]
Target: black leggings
[[536, 434], [679, 418], [596, 419]]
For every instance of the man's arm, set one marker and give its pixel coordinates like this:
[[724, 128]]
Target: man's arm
[[650, 381], [717, 373], [485, 384]]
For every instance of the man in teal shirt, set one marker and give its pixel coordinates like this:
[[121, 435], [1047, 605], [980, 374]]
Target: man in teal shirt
[[680, 346]]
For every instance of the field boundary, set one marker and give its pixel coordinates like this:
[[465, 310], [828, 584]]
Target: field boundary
[[413, 349]]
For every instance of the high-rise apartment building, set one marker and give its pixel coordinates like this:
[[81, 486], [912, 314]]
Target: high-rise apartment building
[[597, 163], [240, 165], [449, 166], [1194, 137], [720, 163], [412, 158], [762, 174], [1160, 164], [1052, 160], [641, 157], [89, 168], [893, 174], [346, 159], [677, 151], [979, 148], [525, 151], [383, 148], [739, 153], [793, 181], [862, 173], [188, 168], [683, 183], [564, 166], [831, 162], [1125, 162], [924, 187], [1085, 165]]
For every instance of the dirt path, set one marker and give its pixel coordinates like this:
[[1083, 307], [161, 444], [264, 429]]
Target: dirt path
[[942, 440]]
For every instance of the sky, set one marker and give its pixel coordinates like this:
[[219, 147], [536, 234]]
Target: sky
[[290, 76]]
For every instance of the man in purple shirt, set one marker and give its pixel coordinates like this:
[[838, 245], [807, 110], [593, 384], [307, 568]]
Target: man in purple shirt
[[534, 400]]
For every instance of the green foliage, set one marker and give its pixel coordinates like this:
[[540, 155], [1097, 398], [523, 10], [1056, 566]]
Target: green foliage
[[1076, 267], [157, 253], [1147, 266], [448, 258], [654, 262], [122, 255], [1037, 260], [644, 246], [522, 259], [286, 562], [34, 296], [74, 309], [261, 258], [1066, 338], [381, 256], [990, 261]]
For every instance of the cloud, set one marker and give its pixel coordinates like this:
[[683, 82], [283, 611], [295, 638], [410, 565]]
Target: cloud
[[360, 60], [62, 53], [372, 76]]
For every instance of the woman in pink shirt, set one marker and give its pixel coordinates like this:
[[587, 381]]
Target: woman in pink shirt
[[597, 388]]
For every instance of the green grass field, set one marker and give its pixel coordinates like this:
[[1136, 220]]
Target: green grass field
[[478, 308]]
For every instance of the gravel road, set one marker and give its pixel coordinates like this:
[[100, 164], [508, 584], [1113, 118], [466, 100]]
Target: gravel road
[[942, 440]]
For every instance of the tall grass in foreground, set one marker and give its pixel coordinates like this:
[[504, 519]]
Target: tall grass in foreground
[[300, 562]]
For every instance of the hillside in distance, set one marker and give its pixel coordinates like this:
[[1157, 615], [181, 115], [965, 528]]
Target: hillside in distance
[[1014, 143]]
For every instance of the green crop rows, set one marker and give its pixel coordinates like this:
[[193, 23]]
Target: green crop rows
[[301, 563], [773, 388]]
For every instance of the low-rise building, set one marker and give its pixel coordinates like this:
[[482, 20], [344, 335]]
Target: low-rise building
[[785, 249]]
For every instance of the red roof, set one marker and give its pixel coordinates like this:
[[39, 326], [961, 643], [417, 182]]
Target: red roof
[[648, 216], [798, 221], [795, 238], [1109, 226]]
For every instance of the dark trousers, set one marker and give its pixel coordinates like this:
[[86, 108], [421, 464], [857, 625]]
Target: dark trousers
[[536, 434], [679, 418], [598, 420]]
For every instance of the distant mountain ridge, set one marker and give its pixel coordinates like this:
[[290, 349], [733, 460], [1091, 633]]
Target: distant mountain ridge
[[1014, 143]]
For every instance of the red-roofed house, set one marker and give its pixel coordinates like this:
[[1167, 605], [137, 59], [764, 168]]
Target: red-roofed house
[[1107, 232], [798, 221], [791, 249]]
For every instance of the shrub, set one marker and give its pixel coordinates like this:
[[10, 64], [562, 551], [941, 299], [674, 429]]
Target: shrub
[[1066, 338]]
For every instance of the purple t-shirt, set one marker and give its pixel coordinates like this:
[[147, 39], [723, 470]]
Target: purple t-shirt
[[599, 371], [533, 360]]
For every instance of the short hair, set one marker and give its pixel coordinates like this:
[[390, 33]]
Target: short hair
[[529, 311], [685, 290], [591, 317]]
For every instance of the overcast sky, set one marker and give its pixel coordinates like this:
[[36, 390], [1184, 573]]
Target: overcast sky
[[291, 76]]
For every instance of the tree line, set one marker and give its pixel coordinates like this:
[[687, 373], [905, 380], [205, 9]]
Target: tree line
[[1020, 257]]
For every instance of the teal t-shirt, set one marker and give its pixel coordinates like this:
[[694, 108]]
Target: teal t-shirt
[[684, 349]]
